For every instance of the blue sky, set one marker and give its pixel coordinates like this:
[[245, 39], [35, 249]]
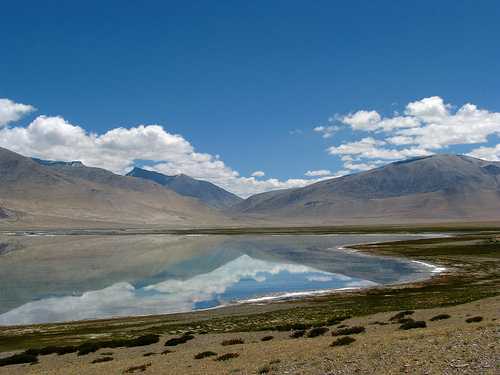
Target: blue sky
[[249, 81]]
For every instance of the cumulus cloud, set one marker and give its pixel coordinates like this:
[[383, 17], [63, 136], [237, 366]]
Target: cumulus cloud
[[11, 111], [362, 120], [427, 126], [55, 138], [370, 148], [318, 173], [487, 153], [258, 174]]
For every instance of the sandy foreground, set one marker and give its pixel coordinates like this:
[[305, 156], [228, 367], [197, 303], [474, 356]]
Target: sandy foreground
[[450, 346]]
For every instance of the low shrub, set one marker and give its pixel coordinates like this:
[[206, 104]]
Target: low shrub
[[88, 347], [337, 320], [288, 327], [204, 355], [19, 358], [232, 342], [148, 354], [227, 356], [297, 333], [141, 368], [267, 338], [59, 350], [264, 369], [378, 323], [440, 317], [143, 341], [179, 340], [401, 315], [405, 320], [317, 331], [93, 346], [342, 341], [102, 359], [474, 319], [413, 324], [348, 331]]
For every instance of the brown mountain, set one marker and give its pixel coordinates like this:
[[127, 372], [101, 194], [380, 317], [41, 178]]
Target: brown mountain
[[434, 188], [208, 193], [71, 194]]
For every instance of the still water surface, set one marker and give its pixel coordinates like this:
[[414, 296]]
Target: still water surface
[[65, 278]]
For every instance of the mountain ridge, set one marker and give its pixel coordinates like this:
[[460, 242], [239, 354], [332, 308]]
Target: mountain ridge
[[205, 191], [434, 187], [71, 194]]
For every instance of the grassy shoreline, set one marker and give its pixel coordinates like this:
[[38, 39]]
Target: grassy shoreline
[[474, 259]]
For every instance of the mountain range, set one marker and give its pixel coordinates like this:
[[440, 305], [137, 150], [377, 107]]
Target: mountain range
[[437, 187], [208, 193], [40, 193], [50, 194]]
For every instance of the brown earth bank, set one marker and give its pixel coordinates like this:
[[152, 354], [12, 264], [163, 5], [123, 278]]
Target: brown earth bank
[[445, 346]]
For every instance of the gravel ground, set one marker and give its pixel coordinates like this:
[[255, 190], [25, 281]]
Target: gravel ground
[[449, 346]]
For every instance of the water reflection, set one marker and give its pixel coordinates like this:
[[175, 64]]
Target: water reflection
[[185, 274], [240, 279]]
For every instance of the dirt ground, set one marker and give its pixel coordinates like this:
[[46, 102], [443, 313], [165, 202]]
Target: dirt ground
[[449, 346]]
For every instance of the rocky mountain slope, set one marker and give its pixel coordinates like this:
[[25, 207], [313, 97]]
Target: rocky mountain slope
[[48, 194], [205, 191], [438, 187]]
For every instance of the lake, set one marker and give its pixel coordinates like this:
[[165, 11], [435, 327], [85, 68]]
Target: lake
[[76, 277]]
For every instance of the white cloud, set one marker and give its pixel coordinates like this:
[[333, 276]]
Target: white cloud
[[468, 125], [428, 109], [318, 173], [362, 120], [326, 131], [368, 148], [486, 153], [358, 167], [428, 125], [258, 174], [117, 149], [11, 111]]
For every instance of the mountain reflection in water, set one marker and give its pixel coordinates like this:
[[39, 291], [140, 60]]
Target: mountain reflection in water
[[231, 270]]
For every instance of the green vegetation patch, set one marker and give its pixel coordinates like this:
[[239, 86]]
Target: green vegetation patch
[[93, 346]]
